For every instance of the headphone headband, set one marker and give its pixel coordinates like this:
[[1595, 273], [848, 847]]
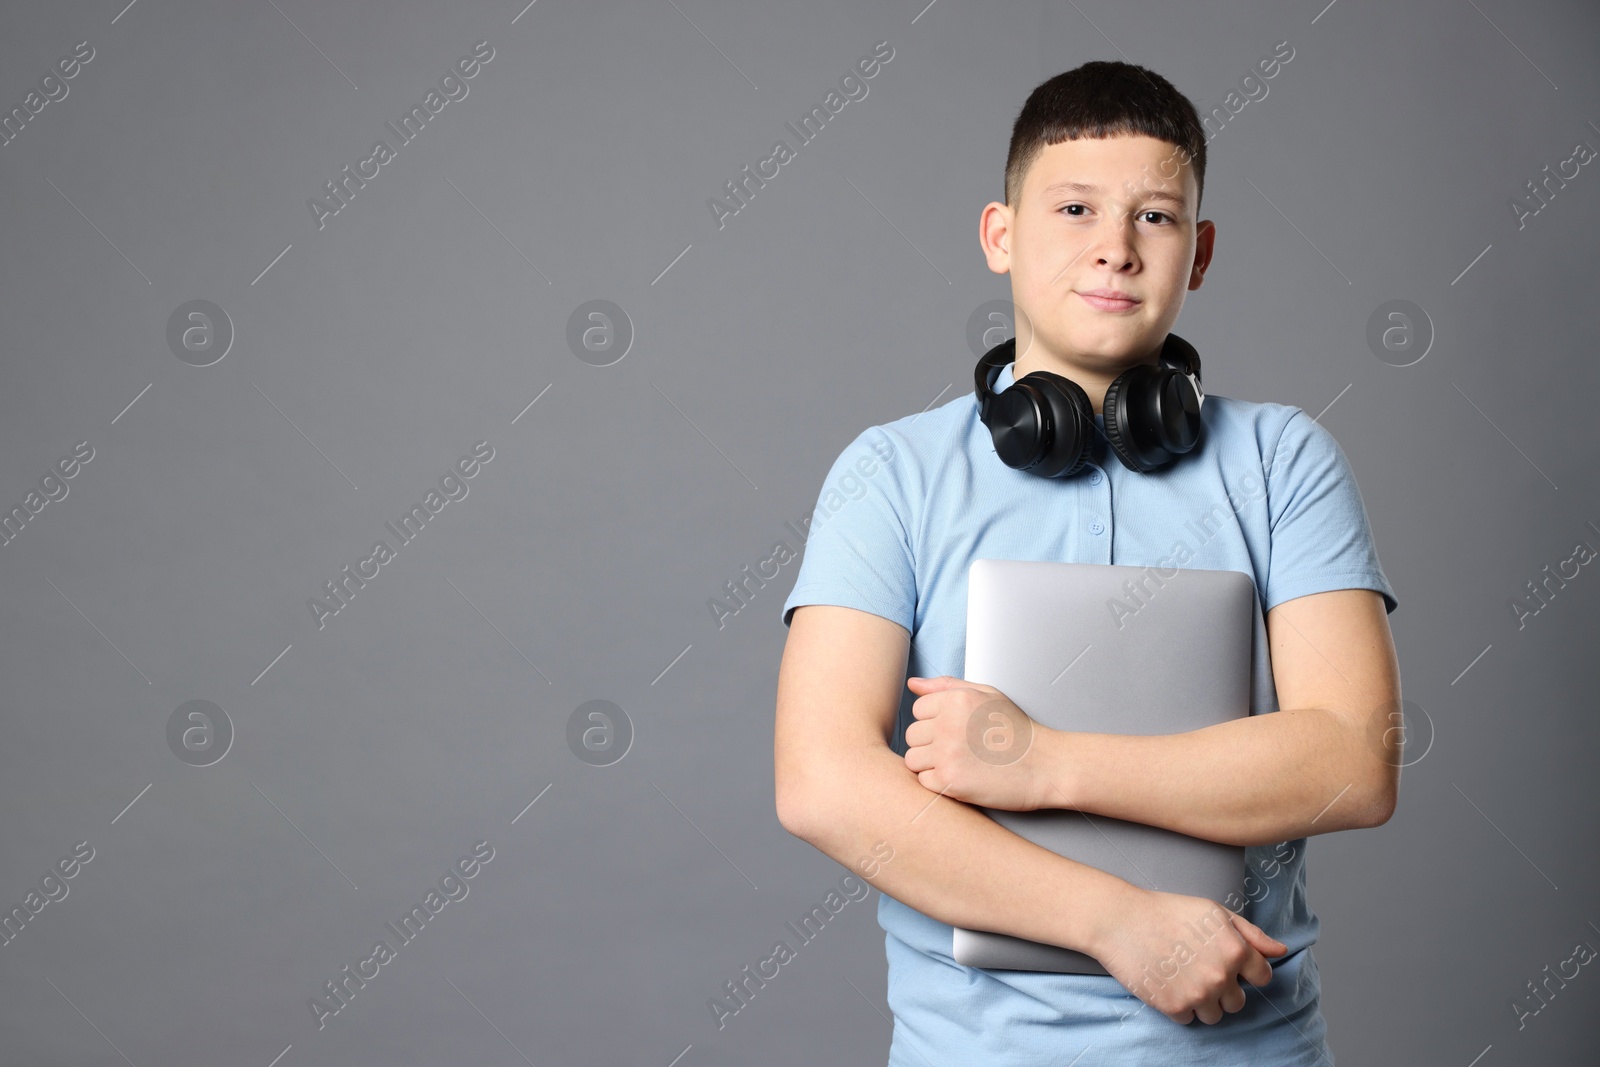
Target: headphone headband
[[1181, 356]]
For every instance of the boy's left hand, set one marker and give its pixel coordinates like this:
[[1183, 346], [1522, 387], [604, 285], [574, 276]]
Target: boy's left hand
[[972, 743]]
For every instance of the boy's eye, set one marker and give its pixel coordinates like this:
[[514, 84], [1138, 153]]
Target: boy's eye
[[1076, 210]]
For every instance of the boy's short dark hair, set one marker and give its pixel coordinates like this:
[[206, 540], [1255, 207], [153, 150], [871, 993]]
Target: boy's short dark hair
[[1103, 99]]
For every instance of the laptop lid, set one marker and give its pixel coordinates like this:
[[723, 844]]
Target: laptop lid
[[1107, 648]]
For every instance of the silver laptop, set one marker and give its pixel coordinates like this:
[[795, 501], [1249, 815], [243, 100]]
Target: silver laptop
[[1107, 648]]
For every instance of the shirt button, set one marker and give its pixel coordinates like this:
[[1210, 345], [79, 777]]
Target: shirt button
[[1095, 477], [1097, 528]]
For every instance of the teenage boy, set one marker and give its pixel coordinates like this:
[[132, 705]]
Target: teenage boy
[[1098, 232]]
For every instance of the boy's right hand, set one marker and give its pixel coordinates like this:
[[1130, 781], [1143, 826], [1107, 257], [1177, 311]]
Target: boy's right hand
[[1183, 955]]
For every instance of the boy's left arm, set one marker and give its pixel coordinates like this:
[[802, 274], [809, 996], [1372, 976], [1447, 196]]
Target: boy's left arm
[[1329, 760]]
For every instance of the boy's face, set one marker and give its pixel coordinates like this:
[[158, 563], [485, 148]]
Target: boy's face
[[1117, 214]]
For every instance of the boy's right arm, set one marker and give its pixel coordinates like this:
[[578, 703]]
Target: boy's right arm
[[841, 788]]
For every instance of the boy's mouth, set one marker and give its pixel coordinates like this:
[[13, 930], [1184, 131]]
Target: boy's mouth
[[1108, 299]]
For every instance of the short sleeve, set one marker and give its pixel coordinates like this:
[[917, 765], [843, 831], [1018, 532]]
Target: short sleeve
[[858, 551], [1321, 537]]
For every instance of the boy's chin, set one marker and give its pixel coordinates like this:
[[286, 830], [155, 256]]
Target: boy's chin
[[1107, 346]]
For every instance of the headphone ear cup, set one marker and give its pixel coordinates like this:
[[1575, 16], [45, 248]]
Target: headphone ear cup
[[1177, 410], [1070, 414], [1118, 432], [1152, 416], [1127, 420]]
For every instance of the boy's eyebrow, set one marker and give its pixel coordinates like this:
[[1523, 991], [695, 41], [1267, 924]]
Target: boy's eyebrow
[[1085, 187]]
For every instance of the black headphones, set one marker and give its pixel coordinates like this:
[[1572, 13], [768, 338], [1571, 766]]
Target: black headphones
[[1043, 422]]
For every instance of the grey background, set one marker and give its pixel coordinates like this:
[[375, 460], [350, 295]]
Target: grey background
[[428, 314]]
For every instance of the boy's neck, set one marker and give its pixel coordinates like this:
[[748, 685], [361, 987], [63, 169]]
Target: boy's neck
[[1094, 382]]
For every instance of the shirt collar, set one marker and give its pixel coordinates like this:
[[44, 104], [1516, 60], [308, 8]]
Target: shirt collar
[[1004, 378]]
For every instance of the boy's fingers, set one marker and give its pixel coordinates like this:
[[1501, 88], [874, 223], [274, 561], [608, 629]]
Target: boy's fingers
[[1258, 938], [945, 681], [1258, 972]]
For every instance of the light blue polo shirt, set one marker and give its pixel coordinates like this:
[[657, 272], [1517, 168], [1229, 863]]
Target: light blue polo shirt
[[902, 513]]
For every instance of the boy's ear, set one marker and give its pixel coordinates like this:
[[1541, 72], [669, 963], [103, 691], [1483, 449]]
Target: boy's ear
[[1205, 248], [994, 236]]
